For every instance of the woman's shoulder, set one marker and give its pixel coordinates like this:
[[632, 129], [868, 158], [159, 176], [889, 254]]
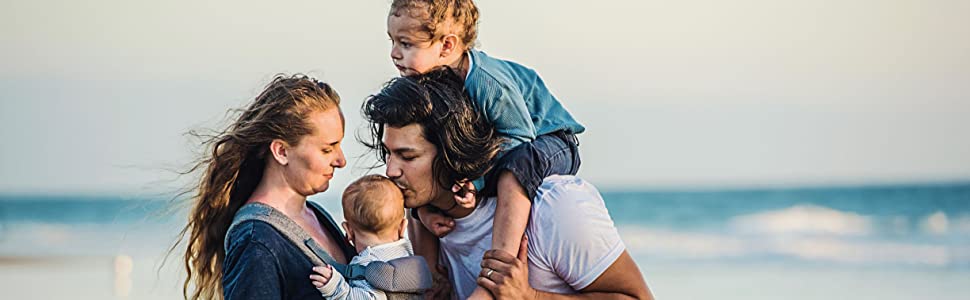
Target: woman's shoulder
[[252, 232]]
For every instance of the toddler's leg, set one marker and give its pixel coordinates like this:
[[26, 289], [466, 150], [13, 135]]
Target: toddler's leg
[[521, 172], [511, 214]]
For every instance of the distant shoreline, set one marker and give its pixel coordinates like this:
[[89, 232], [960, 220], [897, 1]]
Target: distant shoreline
[[30, 260]]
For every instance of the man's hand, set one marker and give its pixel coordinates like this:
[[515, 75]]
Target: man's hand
[[507, 276], [437, 223]]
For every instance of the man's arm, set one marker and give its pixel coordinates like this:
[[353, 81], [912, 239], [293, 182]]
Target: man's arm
[[507, 277], [622, 280], [586, 252]]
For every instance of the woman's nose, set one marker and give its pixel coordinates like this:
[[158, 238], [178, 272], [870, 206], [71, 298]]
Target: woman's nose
[[341, 160]]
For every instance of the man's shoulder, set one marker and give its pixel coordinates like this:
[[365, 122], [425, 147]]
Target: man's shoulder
[[565, 189], [566, 207], [572, 237]]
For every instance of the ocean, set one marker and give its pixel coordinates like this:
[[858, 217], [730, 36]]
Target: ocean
[[865, 242]]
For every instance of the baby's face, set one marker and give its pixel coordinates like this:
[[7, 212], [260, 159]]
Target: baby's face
[[412, 50]]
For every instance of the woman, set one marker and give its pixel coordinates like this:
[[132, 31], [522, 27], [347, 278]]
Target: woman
[[284, 147]]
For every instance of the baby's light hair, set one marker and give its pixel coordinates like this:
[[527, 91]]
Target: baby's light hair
[[373, 204], [438, 16]]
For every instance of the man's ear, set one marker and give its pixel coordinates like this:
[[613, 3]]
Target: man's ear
[[450, 44], [349, 231], [279, 148]]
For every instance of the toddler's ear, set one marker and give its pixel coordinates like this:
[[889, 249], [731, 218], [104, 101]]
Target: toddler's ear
[[449, 44]]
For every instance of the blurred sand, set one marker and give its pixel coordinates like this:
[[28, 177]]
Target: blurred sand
[[86, 278], [95, 278]]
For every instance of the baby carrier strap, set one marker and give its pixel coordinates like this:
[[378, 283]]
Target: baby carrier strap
[[286, 227], [407, 275]]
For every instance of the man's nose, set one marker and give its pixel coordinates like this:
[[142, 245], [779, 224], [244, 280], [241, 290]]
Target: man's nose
[[393, 171]]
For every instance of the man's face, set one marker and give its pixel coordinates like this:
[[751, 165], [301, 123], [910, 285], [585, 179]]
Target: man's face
[[409, 160]]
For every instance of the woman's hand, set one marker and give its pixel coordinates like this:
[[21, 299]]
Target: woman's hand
[[507, 276]]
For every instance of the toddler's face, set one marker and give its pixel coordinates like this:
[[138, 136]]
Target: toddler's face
[[412, 50]]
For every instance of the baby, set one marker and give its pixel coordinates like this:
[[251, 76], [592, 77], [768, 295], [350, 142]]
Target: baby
[[374, 212]]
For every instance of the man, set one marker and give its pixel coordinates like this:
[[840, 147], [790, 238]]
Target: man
[[430, 136]]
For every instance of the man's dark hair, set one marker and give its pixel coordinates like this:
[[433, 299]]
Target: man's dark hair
[[465, 140]]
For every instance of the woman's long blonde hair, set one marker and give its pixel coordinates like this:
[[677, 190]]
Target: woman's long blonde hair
[[234, 166]]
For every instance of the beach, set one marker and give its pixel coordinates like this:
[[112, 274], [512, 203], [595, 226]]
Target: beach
[[882, 242], [93, 278]]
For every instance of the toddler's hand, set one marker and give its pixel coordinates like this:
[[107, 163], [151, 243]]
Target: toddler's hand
[[465, 193], [439, 224], [321, 275]]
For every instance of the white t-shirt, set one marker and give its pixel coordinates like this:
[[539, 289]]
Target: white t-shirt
[[572, 239]]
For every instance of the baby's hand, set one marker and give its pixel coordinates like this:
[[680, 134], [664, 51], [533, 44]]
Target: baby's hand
[[439, 224], [465, 193], [321, 275]]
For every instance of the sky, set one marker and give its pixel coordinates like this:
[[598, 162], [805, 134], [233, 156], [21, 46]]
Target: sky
[[96, 96]]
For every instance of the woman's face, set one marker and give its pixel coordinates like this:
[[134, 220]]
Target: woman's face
[[312, 162]]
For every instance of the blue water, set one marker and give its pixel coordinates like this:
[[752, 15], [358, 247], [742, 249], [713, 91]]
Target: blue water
[[924, 226], [700, 209]]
